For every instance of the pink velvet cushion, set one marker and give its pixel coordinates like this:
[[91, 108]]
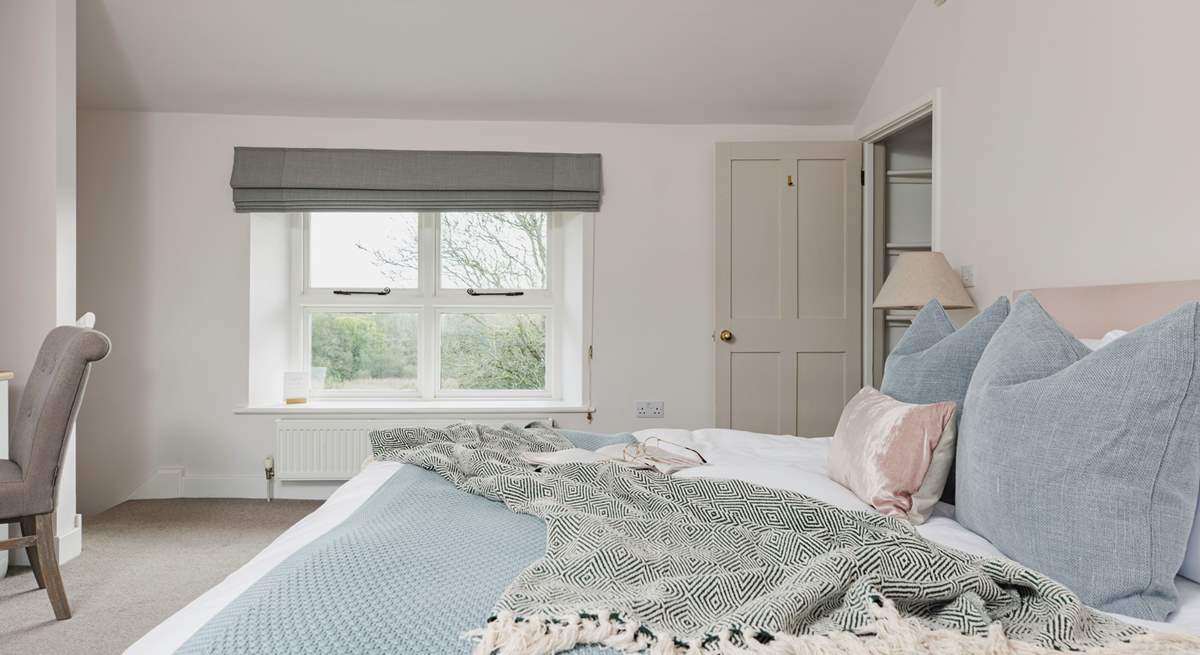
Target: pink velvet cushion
[[883, 450]]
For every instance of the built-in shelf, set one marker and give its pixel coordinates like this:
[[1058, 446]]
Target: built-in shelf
[[898, 247], [901, 318], [910, 176]]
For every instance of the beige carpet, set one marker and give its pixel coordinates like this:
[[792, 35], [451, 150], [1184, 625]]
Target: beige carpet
[[141, 561]]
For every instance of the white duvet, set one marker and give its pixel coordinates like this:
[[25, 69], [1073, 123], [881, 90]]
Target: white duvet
[[775, 461]]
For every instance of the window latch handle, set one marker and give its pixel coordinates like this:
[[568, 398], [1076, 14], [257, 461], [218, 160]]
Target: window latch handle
[[472, 292], [347, 292]]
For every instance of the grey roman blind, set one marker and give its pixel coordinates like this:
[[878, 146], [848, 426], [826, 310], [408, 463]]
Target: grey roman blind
[[317, 179]]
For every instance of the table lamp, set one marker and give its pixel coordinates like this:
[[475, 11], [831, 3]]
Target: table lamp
[[919, 277]]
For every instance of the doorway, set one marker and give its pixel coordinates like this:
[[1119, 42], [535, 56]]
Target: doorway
[[900, 214]]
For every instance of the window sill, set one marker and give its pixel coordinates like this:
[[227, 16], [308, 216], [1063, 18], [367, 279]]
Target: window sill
[[472, 407]]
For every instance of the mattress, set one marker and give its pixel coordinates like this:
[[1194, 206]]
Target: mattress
[[777, 461]]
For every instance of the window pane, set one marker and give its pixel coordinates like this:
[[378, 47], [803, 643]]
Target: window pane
[[366, 351], [493, 250], [362, 250], [493, 351]]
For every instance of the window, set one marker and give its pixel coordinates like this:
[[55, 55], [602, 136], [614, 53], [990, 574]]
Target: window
[[431, 305]]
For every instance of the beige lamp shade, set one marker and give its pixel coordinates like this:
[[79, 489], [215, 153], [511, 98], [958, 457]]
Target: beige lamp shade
[[919, 277]]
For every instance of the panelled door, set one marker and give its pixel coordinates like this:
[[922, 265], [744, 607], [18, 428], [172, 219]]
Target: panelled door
[[789, 285]]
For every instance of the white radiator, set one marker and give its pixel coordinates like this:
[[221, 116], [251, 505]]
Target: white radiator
[[335, 449]]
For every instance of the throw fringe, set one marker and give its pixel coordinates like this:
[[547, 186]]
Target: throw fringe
[[891, 634]]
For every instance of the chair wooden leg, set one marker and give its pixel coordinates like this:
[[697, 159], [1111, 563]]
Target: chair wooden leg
[[47, 556], [29, 529]]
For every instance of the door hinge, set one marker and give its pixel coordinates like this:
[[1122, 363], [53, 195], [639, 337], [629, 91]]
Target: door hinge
[[589, 352], [862, 178]]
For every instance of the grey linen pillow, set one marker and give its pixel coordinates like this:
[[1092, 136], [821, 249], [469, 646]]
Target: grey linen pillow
[[1086, 465], [933, 361]]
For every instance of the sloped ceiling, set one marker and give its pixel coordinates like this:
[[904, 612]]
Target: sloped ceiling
[[647, 61]]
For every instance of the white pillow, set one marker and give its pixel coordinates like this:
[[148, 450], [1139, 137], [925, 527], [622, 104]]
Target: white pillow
[[1097, 344]]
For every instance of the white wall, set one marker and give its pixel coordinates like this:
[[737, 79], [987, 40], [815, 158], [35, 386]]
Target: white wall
[[37, 199], [1066, 136], [164, 261]]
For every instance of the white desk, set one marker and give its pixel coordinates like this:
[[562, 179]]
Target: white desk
[[5, 376]]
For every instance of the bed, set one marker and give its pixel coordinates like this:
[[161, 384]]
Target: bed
[[794, 464], [779, 462]]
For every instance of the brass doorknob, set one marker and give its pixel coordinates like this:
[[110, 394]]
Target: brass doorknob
[[726, 335]]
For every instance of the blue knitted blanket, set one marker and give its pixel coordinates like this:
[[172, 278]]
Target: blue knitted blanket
[[397, 577]]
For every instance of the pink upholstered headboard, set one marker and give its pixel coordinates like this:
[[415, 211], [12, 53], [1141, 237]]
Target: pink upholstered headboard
[[1089, 312]]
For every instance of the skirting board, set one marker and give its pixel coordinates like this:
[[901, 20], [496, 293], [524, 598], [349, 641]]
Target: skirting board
[[70, 545], [175, 482]]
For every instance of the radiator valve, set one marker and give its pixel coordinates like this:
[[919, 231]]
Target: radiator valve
[[269, 471]]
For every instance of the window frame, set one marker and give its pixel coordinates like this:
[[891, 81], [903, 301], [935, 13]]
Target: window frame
[[550, 359], [429, 300]]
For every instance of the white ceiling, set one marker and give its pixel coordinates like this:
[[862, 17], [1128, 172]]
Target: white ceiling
[[652, 61]]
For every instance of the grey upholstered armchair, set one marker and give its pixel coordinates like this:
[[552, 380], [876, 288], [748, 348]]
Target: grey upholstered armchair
[[42, 423]]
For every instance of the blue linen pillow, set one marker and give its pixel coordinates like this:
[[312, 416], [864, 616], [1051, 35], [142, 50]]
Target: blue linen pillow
[[1086, 465], [933, 361]]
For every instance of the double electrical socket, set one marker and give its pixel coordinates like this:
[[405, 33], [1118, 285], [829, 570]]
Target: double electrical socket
[[650, 409]]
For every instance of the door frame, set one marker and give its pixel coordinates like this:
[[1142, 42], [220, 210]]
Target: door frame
[[929, 106]]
